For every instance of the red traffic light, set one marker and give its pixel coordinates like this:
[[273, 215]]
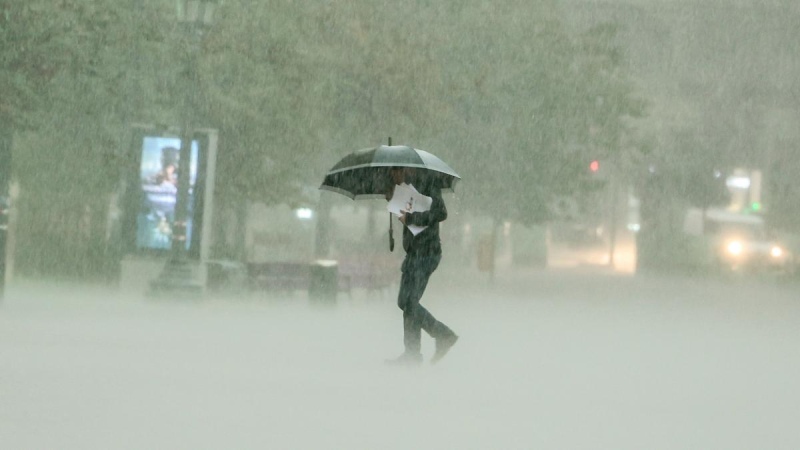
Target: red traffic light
[[594, 166]]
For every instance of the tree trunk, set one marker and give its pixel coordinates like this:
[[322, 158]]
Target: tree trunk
[[322, 240], [240, 232], [495, 226], [6, 134], [612, 223]]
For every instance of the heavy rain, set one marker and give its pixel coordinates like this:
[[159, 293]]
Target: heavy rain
[[202, 246]]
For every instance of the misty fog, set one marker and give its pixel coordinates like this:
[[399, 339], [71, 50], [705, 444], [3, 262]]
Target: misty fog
[[551, 360], [621, 254]]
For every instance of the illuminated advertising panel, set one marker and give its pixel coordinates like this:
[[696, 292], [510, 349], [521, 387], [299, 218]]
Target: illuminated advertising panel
[[158, 176]]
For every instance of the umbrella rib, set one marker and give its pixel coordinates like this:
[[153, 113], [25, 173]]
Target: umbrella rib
[[344, 192], [362, 166]]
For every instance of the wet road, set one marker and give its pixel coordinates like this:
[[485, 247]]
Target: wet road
[[546, 360]]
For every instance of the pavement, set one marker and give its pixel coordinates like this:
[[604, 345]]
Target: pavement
[[558, 359]]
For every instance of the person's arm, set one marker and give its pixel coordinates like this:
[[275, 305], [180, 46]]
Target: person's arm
[[437, 212]]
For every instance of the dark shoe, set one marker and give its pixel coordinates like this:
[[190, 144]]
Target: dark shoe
[[406, 359], [443, 345]]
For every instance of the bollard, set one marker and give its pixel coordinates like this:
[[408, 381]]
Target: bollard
[[486, 253], [324, 283]]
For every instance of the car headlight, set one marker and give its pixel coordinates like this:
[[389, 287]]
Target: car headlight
[[735, 248], [776, 251]]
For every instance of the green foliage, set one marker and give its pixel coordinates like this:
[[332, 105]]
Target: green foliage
[[32, 50], [536, 105], [503, 92], [92, 85], [294, 86], [82, 84]]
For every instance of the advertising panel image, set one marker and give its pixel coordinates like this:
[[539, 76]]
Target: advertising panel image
[[158, 176]]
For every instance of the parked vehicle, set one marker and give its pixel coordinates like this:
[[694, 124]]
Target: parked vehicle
[[736, 242]]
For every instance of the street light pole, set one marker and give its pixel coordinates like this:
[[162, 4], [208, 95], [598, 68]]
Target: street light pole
[[194, 16]]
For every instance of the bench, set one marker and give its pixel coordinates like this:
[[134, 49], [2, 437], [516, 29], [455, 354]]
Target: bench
[[372, 274], [278, 276]]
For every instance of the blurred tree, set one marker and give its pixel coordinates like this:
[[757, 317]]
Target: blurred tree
[[540, 106], [503, 92], [696, 169], [782, 187], [74, 85], [295, 87], [31, 53]]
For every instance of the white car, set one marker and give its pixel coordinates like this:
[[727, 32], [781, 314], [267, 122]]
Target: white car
[[749, 248], [741, 242]]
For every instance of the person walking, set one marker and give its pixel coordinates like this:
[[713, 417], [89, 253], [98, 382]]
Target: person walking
[[423, 254]]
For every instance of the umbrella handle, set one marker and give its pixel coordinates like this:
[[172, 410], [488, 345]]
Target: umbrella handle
[[391, 234]]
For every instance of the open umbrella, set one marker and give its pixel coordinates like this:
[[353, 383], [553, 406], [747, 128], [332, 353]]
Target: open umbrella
[[365, 173]]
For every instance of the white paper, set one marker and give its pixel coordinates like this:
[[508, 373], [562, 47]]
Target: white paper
[[407, 199]]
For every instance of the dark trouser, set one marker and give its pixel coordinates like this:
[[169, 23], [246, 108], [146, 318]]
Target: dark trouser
[[416, 272]]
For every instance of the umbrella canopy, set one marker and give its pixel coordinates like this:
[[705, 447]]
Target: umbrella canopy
[[365, 173]]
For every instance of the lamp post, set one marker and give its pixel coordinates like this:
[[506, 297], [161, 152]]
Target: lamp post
[[195, 17]]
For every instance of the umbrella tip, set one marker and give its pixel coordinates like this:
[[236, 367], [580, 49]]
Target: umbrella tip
[[390, 141]]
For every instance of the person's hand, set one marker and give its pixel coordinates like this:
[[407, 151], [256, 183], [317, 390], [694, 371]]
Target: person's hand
[[402, 218], [390, 193]]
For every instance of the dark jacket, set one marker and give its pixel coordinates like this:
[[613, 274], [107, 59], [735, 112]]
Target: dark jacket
[[427, 242]]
